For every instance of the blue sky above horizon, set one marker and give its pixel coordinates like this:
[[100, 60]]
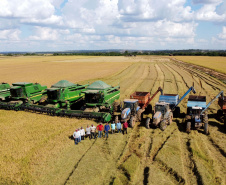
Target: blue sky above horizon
[[60, 25]]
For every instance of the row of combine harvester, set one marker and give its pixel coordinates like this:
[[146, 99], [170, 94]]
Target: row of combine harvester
[[101, 101]]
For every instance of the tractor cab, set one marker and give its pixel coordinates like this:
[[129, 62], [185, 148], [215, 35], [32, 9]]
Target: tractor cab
[[130, 107], [196, 114], [162, 107]]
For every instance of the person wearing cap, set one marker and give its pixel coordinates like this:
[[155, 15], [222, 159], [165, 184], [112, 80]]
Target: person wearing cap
[[100, 129], [125, 126], [93, 131], [76, 136], [113, 127], [119, 127], [79, 134], [106, 129], [82, 131], [88, 132]]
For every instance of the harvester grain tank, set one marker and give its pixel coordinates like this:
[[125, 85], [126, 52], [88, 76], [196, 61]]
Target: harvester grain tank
[[133, 108], [22, 93], [197, 116], [4, 91], [165, 107]]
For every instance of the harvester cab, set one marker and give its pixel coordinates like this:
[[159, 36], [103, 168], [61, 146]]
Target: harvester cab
[[4, 91], [23, 93]]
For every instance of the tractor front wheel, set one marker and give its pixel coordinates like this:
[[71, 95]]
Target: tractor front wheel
[[163, 125], [148, 122], [132, 121], [206, 128]]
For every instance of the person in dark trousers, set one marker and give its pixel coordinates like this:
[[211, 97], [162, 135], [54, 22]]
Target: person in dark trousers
[[76, 136], [93, 132], [88, 132], [100, 129], [125, 126], [119, 127], [106, 129], [82, 131]]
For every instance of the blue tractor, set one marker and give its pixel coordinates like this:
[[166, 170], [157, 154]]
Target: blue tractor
[[197, 116], [164, 109]]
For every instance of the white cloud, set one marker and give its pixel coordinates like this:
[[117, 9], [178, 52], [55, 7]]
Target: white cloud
[[206, 1], [223, 34], [10, 34], [44, 33], [208, 13]]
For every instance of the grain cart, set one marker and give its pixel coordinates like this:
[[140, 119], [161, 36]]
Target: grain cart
[[197, 116], [134, 107], [22, 93], [4, 91], [164, 108], [63, 94], [222, 112], [98, 103]]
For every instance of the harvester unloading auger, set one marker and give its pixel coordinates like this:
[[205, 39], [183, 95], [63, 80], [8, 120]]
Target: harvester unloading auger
[[95, 101]]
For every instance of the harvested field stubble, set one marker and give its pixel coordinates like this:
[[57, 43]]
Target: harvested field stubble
[[37, 149]]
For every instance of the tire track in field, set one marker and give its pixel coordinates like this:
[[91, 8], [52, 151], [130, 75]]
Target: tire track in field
[[76, 165], [161, 76], [169, 80]]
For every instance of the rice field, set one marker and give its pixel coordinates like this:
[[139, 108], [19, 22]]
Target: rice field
[[37, 149]]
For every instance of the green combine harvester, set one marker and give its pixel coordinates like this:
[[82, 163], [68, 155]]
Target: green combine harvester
[[4, 91], [98, 103], [24, 93], [62, 95]]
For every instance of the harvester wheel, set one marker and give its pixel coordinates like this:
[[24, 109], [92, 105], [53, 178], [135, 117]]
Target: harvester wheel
[[170, 118], [132, 121], [188, 127], [116, 119], [140, 115], [116, 106], [148, 122], [163, 125]]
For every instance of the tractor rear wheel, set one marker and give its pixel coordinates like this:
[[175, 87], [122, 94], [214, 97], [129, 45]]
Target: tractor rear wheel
[[148, 122], [148, 110], [163, 125], [205, 121], [188, 127], [170, 118], [177, 112], [132, 121], [140, 115]]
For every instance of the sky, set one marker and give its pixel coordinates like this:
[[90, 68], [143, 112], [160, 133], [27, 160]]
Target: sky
[[61, 25]]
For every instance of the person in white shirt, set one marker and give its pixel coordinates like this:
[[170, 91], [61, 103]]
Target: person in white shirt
[[76, 136], [79, 135], [93, 131], [82, 131], [88, 132]]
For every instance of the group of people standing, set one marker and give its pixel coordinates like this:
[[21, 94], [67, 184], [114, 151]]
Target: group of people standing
[[80, 133]]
